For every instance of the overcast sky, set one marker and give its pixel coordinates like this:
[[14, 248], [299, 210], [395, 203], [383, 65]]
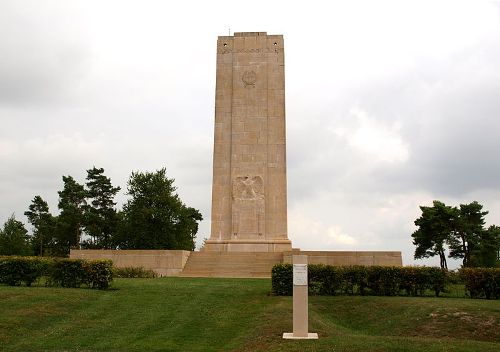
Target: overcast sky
[[389, 105]]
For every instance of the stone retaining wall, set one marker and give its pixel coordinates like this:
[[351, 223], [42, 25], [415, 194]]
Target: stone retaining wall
[[163, 262], [339, 258]]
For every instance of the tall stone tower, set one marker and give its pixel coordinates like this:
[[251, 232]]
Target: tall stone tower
[[249, 202]]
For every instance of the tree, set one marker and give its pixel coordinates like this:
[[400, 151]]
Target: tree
[[69, 222], [187, 227], [14, 238], [100, 219], [155, 217], [435, 225], [461, 229], [469, 230], [486, 252], [43, 225]]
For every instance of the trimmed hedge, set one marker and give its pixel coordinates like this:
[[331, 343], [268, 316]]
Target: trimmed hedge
[[17, 270], [281, 278], [58, 272], [481, 282], [362, 280]]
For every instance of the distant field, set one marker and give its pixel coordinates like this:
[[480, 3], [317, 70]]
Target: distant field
[[184, 314]]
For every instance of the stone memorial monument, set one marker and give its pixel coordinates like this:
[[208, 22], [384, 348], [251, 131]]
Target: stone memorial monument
[[249, 200]]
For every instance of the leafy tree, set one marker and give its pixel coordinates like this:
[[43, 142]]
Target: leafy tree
[[100, 218], [43, 225], [435, 225], [461, 229], [14, 238], [69, 222], [155, 217], [187, 227], [486, 252], [469, 230]]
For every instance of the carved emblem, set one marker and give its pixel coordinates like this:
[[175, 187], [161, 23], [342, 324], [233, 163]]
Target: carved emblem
[[249, 78], [248, 188]]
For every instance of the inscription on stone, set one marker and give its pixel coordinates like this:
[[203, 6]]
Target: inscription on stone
[[225, 50], [300, 274]]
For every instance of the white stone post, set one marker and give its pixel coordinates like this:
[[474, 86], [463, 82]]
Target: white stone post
[[300, 301]]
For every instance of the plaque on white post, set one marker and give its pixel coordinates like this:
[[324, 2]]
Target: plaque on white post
[[300, 274], [300, 301]]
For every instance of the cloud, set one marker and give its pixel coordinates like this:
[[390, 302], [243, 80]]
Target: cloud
[[376, 140], [43, 55], [338, 237]]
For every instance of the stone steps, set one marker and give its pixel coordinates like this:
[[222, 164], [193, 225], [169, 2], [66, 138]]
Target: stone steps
[[231, 264]]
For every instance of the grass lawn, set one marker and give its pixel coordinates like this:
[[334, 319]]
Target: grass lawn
[[184, 314]]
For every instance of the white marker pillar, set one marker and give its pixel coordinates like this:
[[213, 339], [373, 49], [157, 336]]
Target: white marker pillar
[[300, 301]]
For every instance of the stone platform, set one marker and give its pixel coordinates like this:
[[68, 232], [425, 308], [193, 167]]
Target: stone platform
[[231, 264], [248, 245]]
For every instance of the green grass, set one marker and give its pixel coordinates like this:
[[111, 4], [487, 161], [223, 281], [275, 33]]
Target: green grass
[[182, 314]]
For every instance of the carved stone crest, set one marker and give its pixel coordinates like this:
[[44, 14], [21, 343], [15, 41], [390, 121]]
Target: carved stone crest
[[249, 78], [248, 188]]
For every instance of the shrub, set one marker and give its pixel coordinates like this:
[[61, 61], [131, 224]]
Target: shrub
[[16, 270], [62, 272], [281, 280], [350, 280], [436, 278], [354, 279], [416, 280], [98, 273], [134, 272], [324, 280], [67, 273], [412, 281], [481, 282], [383, 280], [453, 277]]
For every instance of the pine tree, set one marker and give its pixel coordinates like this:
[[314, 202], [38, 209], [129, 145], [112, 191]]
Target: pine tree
[[100, 220], [43, 225], [69, 222], [469, 231], [14, 238]]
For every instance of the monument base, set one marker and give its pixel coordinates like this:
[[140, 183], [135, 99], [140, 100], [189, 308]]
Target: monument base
[[274, 246], [290, 336]]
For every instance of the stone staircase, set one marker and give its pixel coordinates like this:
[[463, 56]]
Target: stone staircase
[[231, 264]]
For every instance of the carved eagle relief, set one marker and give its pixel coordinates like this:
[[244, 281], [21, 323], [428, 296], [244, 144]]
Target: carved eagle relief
[[248, 188]]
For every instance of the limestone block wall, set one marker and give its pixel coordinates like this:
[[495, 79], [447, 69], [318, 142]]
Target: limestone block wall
[[163, 262], [344, 258]]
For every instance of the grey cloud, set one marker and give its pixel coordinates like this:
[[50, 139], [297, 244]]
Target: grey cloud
[[449, 116], [41, 61]]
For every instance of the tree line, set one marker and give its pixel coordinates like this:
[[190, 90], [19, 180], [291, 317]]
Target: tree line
[[460, 230], [154, 217]]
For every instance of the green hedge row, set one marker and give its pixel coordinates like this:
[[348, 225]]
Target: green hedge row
[[58, 272], [481, 282], [361, 280]]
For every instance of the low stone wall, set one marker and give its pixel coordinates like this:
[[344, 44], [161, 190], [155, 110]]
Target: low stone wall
[[338, 258], [171, 263], [163, 262]]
